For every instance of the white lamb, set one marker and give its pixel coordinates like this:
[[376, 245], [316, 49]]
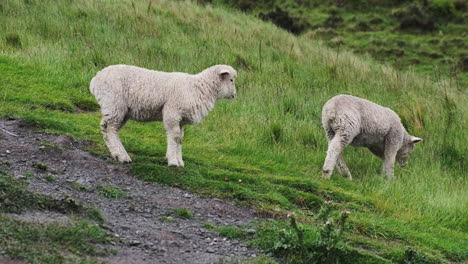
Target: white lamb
[[177, 99], [352, 120]]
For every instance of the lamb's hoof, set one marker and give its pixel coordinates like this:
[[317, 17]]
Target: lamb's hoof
[[124, 159], [181, 163], [326, 174], [173, 163]]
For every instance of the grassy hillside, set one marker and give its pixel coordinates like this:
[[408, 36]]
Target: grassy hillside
[[427, 36], [270, 138]]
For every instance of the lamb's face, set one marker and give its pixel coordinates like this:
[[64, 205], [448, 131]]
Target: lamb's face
[[227, 85], [404, 153]]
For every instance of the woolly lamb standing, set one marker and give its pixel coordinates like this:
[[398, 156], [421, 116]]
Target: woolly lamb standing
[[177, 99], [352, 120]]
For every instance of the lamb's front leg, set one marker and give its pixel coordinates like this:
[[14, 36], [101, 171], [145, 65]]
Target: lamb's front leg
[[174, 141], [389, 157], [342, 168]]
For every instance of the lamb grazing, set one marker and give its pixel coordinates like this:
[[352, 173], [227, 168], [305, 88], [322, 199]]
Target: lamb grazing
[[352, 120], [131, 93]]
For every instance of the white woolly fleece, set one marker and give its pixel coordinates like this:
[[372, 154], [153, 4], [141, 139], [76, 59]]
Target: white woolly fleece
[[131, 93], [352, 120]]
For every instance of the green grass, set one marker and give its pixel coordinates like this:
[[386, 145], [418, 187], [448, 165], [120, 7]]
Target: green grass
[[374, 28], [40, 166], [270, 137], [182, 213], [41, 243], [78, 186], [167, 219], [48, 242], [50, 178], [109, 192]]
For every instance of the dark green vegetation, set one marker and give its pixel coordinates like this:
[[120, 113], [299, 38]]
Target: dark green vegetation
[[428, 36], [108, 192], [48, 243], [181, 213], [266, 148], [318, 242]]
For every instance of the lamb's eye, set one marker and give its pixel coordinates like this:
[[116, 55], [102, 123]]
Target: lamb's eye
[[232, 80]]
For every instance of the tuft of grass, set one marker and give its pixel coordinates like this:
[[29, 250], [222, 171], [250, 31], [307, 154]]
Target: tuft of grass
[[209, 225], [167, 219], [182, 213], [28, 174], [79, 187], [13, 40], [47, 146], [111, 192], [232, 232], [50, 178], [40, 166]]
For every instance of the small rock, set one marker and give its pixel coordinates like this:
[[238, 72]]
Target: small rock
[[210, 250], [174, 244], [134, 243], [148, 245], [162, 249], [8, 151]]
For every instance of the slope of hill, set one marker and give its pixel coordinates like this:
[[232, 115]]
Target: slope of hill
[[426, 36], [265, 149]]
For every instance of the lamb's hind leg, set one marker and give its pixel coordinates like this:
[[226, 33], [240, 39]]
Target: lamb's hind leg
[[110, 126], [341, 165], [335, 147]]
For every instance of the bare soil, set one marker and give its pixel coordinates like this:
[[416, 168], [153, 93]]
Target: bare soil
[[136, 219]]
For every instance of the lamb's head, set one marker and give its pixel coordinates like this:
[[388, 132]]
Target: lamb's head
[[227, 77], [404, 153]]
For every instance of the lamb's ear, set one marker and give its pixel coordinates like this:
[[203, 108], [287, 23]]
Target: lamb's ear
[[224, 74], [415, 139]]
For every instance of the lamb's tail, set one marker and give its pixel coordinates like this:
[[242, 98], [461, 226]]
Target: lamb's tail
[[92, 86], [328, 117]]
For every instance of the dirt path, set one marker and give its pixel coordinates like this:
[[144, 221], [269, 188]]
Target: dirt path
[[136, 219]]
